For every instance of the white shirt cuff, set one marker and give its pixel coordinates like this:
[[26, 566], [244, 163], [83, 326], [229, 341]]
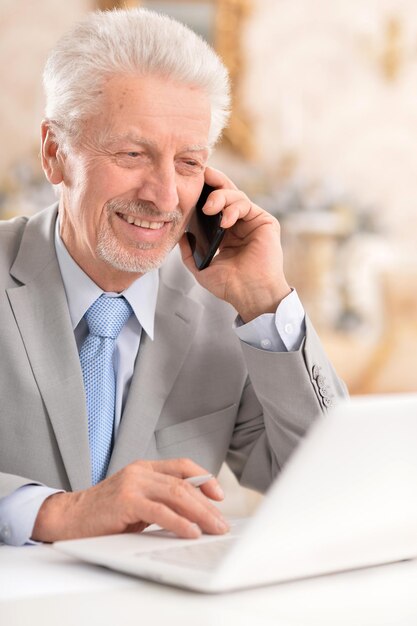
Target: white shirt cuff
[[18, 512], [282, 331]]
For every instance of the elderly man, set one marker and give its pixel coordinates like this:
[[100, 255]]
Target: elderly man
[[125, 370]]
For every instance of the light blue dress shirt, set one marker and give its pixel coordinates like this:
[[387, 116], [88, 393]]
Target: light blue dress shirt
[[279, 332]]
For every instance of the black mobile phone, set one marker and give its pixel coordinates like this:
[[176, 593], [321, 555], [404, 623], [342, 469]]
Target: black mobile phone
[[204, 231]]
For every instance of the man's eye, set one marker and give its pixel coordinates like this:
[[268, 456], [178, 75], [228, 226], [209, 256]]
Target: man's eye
[[130, 158], [189, 167], [192, 164]]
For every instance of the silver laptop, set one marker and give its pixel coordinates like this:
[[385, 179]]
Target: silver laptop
[[346, 499]]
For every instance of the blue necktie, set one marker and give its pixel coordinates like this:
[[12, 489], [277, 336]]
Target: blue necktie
[[105, 319]]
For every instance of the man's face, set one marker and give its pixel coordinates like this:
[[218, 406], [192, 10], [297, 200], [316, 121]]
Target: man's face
[[131, 181]]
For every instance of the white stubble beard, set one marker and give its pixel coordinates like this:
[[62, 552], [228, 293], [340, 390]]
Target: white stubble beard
[[118, 256]]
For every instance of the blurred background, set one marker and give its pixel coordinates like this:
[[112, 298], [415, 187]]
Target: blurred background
[[323, 135]]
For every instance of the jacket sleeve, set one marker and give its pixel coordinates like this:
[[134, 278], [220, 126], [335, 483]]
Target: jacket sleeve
[[284, 394]]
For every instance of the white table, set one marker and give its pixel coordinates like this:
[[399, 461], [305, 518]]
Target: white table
[[39, 586]]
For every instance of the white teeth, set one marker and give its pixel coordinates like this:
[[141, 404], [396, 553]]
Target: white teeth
[[142, 223]]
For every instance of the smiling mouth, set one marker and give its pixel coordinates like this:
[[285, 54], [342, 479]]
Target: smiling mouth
[[136, 221]]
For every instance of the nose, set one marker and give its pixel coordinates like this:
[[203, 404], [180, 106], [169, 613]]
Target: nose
[[160, 187]]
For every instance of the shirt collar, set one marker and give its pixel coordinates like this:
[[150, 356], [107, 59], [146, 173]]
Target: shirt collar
[[81, 291]]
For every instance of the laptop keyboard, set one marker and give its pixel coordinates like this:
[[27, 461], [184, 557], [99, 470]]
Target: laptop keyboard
[[205, 556]]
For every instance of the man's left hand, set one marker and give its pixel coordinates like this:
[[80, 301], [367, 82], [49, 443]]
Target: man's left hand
[[248, 270]]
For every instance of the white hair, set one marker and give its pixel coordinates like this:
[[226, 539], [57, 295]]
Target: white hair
[[129, 42]]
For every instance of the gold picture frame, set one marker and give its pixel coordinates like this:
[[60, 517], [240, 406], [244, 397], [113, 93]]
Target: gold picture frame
[[229, 21]]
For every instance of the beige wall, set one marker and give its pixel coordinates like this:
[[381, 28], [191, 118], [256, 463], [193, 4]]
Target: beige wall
[[28, 29], [319, 91]]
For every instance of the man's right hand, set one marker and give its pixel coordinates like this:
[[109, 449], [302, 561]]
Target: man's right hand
[[142, 493]]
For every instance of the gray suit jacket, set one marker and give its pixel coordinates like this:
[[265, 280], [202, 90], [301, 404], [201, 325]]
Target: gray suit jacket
[[197, 391]]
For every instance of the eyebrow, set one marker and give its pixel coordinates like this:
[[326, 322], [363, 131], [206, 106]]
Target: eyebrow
[[144, 141], [130, 137]]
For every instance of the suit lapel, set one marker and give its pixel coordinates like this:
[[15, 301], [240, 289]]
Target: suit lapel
[[156, 369], [41, 312]]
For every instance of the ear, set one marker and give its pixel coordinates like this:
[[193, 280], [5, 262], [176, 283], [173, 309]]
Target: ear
[[52, 163]]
